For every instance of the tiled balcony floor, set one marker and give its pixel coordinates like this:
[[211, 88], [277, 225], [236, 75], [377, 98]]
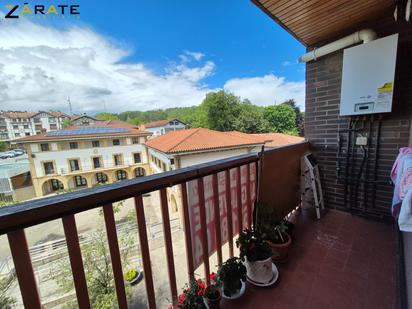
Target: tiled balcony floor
[[341, 261]]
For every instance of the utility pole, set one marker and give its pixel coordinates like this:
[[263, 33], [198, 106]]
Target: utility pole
[[70, 105]]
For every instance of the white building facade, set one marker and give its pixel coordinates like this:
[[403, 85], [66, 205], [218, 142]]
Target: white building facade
[[15, 125], [74, 158], [162, 127]]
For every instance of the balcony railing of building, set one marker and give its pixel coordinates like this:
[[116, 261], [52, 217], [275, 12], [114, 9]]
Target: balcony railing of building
[[279, 177]]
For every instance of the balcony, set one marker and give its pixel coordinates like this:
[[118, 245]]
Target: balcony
[[339, 261]]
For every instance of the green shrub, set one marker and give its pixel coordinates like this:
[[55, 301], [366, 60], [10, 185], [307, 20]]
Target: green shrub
[[131, 274]]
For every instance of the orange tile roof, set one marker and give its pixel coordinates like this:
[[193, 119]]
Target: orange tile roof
[[279, 139], [132, 131], [14, 115], [199, 139]]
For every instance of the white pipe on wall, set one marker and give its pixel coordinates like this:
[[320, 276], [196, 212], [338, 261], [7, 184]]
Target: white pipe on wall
[[365, 36]]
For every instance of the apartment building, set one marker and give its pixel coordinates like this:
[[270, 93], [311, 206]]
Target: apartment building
[[164, 126], [15, 124], [79, 157]]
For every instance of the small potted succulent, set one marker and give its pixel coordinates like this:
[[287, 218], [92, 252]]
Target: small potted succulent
[[192, 296], [257, 255], [133, 276], [279, 239], [212, 293], [232, 276]]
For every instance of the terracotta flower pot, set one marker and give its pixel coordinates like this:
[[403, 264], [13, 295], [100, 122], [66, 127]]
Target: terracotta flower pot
[[259, 271], [280, 251]]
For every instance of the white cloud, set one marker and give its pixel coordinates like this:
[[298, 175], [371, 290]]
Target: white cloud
[[267, 90], [40, 66]]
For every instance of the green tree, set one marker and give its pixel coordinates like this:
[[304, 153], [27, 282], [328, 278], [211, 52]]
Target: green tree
[[66, 123], [106, 116], [300, 116], [250, 118], [3, 146], [222, 110], [98, 270], [5, 284], [281, 118]]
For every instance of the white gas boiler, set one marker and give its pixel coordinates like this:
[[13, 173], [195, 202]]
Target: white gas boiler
[[368, 77]]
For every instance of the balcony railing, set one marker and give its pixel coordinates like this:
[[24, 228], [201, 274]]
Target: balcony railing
[[14, 219]]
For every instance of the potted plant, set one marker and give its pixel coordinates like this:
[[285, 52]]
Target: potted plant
[[279, 239], [232, 277], [212, 293], [133, 276], [257, 255], [192, 296]]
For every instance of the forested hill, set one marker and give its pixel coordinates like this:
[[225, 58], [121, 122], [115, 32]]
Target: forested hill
[[225, 112]]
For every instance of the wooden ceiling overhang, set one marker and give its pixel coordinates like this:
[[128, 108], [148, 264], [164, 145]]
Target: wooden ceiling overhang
[[318, 21]]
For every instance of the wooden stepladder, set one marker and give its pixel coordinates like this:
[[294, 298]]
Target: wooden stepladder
[[310, 187]]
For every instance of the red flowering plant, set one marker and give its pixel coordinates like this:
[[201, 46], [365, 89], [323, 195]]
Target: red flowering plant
[[213, 290], [192, 296]]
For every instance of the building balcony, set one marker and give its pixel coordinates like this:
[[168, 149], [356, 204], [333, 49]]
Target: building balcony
[[339, 261]]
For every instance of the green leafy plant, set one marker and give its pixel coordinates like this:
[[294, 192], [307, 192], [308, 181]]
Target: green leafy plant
[[277, 233], [131, 274], [231, 274], [252, 246]]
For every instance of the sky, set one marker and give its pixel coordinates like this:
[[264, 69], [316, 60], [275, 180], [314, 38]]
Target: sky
[[142, 55]]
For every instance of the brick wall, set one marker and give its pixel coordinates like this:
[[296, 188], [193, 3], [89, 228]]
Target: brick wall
[[322, 124]]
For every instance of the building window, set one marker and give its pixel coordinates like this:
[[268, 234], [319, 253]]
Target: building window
[[74, 165], [80, 181], [27, 134], [121, 175], [95, 144], [101, 177], [52, 120], [74, 145], [116, 142], [96, 162], [26, 126], [56, 185], [17, 134], [15, 127], [118, 159], [44, 147], [164, 167], [137, 158], [135, 140], [53, 126], [139, 172], [48, 168]]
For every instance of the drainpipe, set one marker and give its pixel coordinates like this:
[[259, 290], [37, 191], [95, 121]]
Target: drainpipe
[[365, 36]]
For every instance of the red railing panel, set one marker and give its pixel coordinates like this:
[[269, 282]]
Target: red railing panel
[[188, 234], [248, 201], [239, 199], [167, 234], [115, 255], [229, 212], [76, 262], [24, 269], [202, 212], [217, 218], [144, 248]]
